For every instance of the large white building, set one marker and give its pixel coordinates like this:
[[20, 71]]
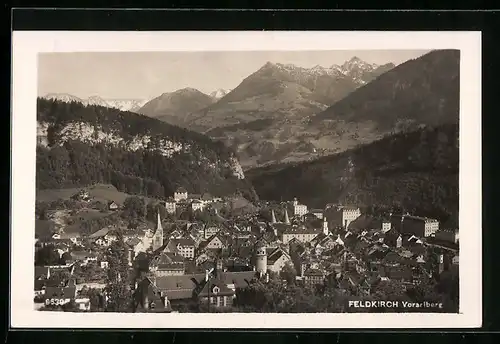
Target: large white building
[[180, 194], [301, 234], [298, 209]]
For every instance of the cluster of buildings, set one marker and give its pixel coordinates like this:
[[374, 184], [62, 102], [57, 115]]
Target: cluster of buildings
[[182, 199], [184, 264]]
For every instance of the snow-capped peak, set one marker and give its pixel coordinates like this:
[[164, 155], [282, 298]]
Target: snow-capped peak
[[96, 100], [120, 104], [63, 97], [217, 94]]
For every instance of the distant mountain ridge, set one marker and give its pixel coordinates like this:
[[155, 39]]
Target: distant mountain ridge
[[420, 92], [173, 107], [121, 104]]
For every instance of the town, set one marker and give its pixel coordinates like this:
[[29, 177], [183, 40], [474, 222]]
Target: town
[[206, 254]]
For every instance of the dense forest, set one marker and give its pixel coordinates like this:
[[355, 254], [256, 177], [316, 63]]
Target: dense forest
[[73, 163], [417, 171]]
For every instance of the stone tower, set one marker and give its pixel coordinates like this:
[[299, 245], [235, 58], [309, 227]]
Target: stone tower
[[261, 258], [158, 236]]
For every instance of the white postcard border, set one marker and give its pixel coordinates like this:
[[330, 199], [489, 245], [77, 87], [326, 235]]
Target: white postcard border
[[25, 48]]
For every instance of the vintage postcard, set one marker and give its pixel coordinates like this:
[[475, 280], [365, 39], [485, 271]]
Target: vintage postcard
[[246, 180]]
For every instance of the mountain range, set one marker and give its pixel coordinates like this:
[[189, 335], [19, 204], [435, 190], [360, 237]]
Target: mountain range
[[275, 118], [284, 113], [121, 104]]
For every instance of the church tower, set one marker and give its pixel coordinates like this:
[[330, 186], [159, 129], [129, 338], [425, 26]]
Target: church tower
[[273, 217], [325, 226], [158, 237], [287, 219], [261, 258]]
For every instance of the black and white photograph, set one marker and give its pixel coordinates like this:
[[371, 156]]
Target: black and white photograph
[[246, 173]]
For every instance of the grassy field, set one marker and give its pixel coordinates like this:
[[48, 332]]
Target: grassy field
[[99, 192]]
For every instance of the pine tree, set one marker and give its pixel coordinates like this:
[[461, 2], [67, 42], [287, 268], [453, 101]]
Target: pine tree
[[118, 288]]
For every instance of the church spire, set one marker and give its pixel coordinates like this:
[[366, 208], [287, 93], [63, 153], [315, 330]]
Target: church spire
[[273, 217], [287, 220], [158, 236], [158, 223]]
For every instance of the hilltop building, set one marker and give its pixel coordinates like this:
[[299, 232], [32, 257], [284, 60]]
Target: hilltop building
[[180, 194]]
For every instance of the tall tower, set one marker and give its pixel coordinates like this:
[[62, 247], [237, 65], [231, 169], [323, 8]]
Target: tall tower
[[158, 237], [440, 263], [287, 219], [273, 217], [261, 258], [325, 226]]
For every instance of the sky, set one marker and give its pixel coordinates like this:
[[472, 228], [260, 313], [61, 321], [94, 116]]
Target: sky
[[144, 75]]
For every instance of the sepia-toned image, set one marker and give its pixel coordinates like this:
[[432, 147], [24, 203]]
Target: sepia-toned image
[[248, 181]]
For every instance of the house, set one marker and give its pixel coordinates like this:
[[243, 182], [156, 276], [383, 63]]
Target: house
[[210, 230], [386, 226], [448, 235], [147, 297], [104, 265], [167, 264], [101, 237], [277, 259], [416, 225], [302, 234], [317, 212], [341, 216], [180, 194], [455, 259], [313, 277], [214, 293], [170, 206], [112, 206], [207, 198], [216, 241], [83, 257], [197, 205], [184, 247]]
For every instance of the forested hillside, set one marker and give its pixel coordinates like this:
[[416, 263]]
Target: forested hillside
[[80, 145], [417, 171]]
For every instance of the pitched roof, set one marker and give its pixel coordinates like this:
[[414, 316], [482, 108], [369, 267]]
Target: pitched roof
[[214, 287], [100, 233], [206, 196], [183, 242], [133, 241], [181, 190]]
